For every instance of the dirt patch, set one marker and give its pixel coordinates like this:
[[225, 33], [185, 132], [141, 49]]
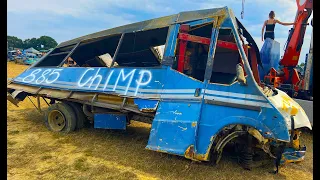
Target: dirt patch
[[36, 153]]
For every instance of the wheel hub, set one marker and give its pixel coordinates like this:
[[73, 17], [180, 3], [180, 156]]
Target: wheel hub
[[56, 120]]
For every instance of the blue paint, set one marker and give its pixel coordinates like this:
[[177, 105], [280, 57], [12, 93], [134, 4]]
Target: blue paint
[[144, 104], [200, 22], [171, 40], [172, 130], [110, 121]]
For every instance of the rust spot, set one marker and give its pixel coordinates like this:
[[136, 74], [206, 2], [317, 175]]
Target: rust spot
[[148, 109], [296, 140], [201, 157], [193, 124], [189, 152], [162, 151], [205, 157]]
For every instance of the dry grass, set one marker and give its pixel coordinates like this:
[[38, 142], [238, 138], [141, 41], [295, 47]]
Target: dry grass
[[36, 153]]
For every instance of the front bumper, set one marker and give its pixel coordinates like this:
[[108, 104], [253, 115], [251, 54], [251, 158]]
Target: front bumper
[[290, 155]]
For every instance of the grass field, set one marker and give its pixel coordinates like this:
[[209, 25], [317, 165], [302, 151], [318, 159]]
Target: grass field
[[36, 153]]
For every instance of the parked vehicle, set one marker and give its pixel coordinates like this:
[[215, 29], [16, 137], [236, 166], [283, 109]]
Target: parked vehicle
[[11, 55], [203, 94], [30, 59]]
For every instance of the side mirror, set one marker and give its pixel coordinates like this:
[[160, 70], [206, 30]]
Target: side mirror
[[240, 75]]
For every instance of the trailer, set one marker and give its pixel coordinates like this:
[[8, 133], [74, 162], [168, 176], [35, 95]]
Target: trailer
[[202, 94]]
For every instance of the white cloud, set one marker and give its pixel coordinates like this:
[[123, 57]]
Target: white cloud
[[82, 8]]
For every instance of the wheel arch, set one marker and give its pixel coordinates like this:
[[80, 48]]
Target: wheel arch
[[206, 142]]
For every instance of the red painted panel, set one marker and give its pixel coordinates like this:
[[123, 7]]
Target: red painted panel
[[203, 40], [254, 65], [182, 52]]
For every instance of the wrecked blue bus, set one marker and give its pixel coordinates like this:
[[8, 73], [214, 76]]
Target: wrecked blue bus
[[201, 94]]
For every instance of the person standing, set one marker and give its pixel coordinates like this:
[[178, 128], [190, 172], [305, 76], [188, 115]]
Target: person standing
[[269, 26]]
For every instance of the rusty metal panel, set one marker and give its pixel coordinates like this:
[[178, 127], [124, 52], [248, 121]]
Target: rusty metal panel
[[29, 89]]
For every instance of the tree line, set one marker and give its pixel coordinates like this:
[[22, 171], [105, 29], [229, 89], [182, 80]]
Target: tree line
[[44, 42]]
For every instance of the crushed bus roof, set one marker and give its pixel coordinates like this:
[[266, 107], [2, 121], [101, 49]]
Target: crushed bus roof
[[153, 24]]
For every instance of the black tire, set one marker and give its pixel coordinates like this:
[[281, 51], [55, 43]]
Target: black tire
[[80, 117], [60, 117]]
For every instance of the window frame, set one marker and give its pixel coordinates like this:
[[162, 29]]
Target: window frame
[[239, 51]]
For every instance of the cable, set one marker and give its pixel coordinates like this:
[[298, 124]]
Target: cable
[[242, 12]]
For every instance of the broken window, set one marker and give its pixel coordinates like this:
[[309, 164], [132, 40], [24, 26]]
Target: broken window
[[56, 57], [143, 48], [92, 53], [225, 59], [138, 49], [86, 54], [70, 63], [192, 50]]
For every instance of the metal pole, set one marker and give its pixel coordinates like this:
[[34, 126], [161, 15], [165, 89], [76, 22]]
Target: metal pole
[[117, 50], [70, 53]]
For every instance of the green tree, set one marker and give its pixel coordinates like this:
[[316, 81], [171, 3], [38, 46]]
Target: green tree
[[301, 65], [44, 42], [47, 42], [14, 42], [30, 43], [26, 43]]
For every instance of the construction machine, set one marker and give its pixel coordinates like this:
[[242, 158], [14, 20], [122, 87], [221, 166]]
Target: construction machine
[[288, 78]]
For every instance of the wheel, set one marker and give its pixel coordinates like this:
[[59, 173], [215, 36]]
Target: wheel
[[60, 117], [80, 117]]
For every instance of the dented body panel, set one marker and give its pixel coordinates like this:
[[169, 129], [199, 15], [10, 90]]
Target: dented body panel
[[188, 115]]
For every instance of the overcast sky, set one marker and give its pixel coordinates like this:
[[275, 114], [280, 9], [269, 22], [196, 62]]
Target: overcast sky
[[67, 19]]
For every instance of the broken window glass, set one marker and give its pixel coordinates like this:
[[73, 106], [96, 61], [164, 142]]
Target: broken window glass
[[225, 59]]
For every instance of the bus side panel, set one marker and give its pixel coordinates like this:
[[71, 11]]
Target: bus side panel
[[174, 126]]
